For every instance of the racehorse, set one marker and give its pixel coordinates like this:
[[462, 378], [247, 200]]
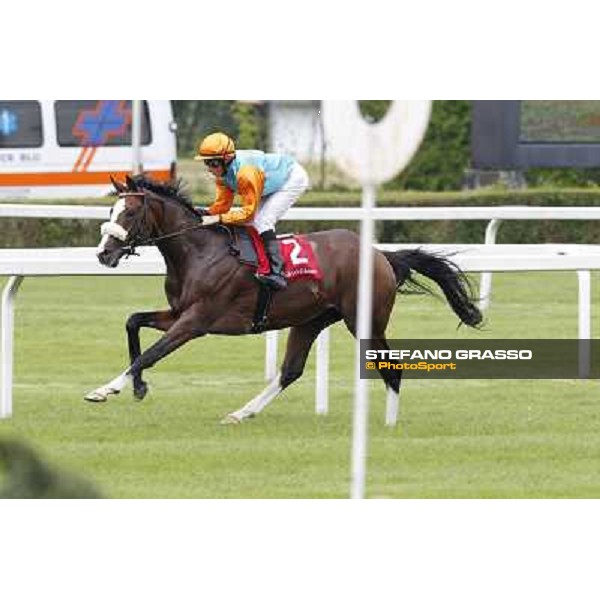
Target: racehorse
[[210, 292]]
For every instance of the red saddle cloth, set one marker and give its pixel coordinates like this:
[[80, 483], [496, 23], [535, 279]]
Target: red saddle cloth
[[297, 253]]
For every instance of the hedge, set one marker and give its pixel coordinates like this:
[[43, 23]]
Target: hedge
[[61, 232]]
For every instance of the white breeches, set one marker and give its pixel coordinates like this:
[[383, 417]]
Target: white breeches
[[273, 207]]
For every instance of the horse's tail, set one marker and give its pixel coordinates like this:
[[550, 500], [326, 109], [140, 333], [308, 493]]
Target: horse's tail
[[452, 281]]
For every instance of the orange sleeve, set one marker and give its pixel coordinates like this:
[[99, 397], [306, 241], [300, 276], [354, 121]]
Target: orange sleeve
[[223, 201], [251, 183]]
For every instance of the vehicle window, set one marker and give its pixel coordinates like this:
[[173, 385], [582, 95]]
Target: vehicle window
[[20, 124], [97, 122]]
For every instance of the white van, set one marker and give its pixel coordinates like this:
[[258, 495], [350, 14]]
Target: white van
[[70, 148]]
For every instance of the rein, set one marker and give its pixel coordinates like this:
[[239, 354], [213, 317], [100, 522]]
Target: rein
[[152, 241]]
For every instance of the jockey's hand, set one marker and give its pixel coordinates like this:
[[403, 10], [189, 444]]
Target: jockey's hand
[[211, 219], [200, 210]]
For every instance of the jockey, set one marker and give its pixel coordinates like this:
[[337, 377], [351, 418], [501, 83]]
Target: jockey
[[268, 184]]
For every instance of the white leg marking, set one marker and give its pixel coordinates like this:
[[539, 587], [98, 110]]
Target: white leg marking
[[115, 386], [391, 408], [257, 404]]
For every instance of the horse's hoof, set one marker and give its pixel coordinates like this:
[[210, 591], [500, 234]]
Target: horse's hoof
[[140, 391], [100, 395], [231, 420], [95, 397]]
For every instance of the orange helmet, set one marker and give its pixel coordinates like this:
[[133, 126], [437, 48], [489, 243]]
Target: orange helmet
[[216, 145]]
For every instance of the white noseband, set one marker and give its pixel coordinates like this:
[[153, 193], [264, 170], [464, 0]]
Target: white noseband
[[114, 229]]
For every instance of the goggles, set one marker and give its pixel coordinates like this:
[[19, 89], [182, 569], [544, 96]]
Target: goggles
[[212, 163]]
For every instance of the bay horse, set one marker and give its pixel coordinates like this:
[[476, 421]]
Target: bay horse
[[210, 292]]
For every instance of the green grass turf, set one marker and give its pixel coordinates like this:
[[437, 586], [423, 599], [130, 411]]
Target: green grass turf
[[456, 439]]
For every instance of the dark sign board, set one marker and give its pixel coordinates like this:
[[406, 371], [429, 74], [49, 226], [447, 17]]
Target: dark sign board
[[518, 134]]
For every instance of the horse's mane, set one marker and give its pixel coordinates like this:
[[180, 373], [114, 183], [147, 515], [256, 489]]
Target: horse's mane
[[171, 190]]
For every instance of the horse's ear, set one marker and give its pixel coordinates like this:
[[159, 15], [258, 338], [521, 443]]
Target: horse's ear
[[132, 187], [119, 187]]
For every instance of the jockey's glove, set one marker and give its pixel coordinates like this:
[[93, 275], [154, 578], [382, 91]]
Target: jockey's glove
[[211, 219]]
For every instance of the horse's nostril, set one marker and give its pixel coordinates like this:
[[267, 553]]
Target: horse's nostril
[[103, 257]]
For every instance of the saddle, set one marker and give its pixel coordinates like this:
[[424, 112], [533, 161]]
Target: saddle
[[300, 262]]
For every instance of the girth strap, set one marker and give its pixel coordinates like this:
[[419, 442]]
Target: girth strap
[[263, 304]]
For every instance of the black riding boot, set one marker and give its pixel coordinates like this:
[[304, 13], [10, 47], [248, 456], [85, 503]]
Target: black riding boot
[[275, 278]]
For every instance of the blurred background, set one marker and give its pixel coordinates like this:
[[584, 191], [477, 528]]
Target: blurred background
[[445, 159], [474, 153]]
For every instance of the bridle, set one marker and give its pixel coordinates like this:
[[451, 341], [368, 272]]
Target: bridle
[[137, 238]]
